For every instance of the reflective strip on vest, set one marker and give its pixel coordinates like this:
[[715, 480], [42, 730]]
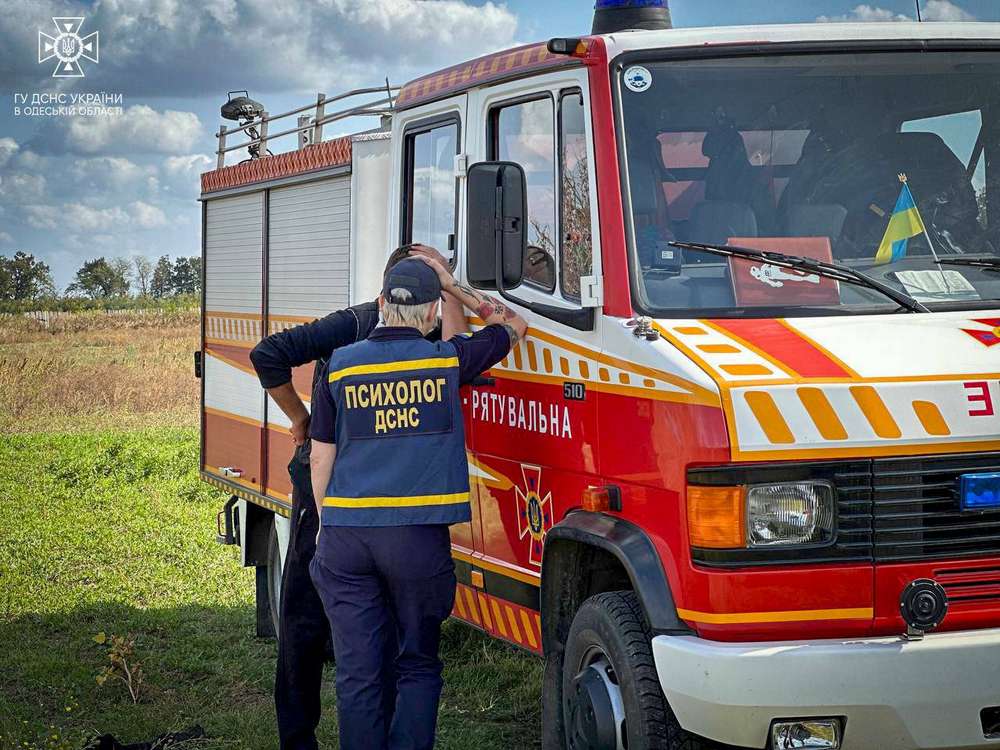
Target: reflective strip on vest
[[394, 502], [414, 364]]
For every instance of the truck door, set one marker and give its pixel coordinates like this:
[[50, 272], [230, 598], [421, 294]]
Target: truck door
[[233, 401], [534, 423], [432, 139]]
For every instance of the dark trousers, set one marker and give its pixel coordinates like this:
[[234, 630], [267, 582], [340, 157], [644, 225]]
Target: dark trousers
[[379, 586], [303, 628]]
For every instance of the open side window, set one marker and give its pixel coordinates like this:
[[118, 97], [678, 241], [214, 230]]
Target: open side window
[[430, 185], [547, 138]]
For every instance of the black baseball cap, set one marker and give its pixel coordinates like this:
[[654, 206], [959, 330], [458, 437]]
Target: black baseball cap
[[411, 282]]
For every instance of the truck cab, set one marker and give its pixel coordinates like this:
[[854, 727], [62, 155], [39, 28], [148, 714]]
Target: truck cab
[[729, 500]]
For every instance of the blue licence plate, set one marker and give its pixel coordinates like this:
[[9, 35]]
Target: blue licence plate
[[979, 491]]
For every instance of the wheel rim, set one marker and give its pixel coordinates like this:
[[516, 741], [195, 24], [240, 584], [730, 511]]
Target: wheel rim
[[596, 711]]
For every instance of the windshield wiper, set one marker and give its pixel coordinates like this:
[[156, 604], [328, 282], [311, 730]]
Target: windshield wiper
[[991, 264], [834, 271]]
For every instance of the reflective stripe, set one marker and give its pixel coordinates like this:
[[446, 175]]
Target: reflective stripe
[[413, 364], [395, 502]]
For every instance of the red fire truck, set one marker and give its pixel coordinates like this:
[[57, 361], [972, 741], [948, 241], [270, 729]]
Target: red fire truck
[[741, 482]]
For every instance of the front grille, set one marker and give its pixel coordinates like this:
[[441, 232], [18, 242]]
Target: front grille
[[970, 584], [916, 510]]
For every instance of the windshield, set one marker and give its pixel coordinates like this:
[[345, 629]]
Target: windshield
[[882, 162]]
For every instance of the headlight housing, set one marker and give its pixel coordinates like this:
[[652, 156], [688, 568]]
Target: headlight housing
[[790, 513], [765, 515]]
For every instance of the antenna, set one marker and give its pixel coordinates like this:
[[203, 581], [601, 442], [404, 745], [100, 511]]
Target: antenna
[[918, 11]]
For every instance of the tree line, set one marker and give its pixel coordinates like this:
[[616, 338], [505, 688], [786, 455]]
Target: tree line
[[24, 278]]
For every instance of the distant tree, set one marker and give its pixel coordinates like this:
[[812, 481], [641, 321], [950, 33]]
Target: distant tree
[[100, 278], [142, 273], [123, 270], [25, 278], [186, 275], [161, 285]]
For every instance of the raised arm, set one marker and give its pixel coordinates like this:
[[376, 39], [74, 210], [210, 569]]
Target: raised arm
[[275, 356], [490, 309], [453, 319]]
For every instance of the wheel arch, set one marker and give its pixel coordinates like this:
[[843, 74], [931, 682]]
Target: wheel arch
[[588, 553]]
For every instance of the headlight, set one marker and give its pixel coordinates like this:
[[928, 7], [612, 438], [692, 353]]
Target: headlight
[[789, 513]]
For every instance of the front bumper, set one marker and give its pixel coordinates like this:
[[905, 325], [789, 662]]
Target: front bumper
[[894, 694]]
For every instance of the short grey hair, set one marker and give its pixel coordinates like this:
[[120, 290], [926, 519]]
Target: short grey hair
[[410, 316]]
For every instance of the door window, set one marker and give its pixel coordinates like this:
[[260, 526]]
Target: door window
[[575, 242], [431, 187], [524, 133]]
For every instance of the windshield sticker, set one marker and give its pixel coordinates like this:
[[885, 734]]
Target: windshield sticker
[[776, 276], [638, 79], [928, 285], [758, 283]]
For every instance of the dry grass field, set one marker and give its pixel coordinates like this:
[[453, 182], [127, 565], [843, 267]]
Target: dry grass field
[[106, 530], [92, 370]]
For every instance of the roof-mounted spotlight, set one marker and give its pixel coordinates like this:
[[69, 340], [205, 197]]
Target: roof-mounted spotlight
[[630, 15], [244, 110]]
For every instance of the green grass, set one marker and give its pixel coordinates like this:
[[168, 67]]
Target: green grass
[[112, 532]]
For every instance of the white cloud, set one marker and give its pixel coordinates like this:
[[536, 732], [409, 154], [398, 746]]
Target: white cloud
[[943, 10], [21, 187], [175, 47], [183, 174], [147, 216], [77, 217], [6, 238], [112, 173], [866, 13], [931, 10], [8, 147], [140, 129]]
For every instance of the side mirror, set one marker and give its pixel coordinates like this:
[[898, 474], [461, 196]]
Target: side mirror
[[497, 215], [496, 202]]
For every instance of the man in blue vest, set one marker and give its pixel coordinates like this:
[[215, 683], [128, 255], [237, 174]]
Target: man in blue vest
[[389, 475]]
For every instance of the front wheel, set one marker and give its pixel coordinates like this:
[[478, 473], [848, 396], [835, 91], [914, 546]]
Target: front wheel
[[611, 693]]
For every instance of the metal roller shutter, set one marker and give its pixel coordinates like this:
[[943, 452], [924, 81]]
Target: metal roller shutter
[[234, 400]]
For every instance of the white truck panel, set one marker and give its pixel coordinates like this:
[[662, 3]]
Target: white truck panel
[[370, 241], [309, 235], [234, 254]]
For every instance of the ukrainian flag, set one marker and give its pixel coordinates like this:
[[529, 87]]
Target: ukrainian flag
[[905, 223]]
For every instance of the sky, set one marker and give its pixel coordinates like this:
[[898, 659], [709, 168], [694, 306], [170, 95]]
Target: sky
[[75, 187]]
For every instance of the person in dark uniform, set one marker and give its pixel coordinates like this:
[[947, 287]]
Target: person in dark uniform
[[390, 474], [303, 628]]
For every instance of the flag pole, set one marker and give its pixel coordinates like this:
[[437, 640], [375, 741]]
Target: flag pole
[[927, 236], [902, 178]]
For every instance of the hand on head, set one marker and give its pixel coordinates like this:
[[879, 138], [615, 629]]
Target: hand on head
[[426, 251], [435, 260]]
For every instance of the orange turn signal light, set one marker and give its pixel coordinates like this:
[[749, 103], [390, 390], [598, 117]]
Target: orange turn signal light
[[602, 499], [716, 517]]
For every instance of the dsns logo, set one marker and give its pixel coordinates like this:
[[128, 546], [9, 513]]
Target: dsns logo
[[68, 47]]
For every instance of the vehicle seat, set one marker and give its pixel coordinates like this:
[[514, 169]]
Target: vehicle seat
[[817, 220], [648, 207], [731, 177], [714, 222]]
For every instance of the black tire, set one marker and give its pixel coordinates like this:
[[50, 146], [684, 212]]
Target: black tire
[[610, 632], [274, 570]]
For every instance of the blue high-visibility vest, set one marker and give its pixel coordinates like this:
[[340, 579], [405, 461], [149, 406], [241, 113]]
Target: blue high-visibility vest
[[400, 435]]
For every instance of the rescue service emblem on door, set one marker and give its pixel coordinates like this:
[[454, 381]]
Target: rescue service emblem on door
[[534, 511]]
